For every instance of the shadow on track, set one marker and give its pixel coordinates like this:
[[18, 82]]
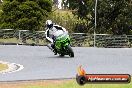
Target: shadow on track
[[60, 57]]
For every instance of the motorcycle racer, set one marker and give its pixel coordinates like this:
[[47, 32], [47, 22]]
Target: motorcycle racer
[[53, 31]]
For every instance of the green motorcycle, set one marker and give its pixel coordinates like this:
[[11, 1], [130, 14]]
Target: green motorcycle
[[62, 45]]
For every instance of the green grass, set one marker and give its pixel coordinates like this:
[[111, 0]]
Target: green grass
[[73, 84], [28, 41], [40, 41], [3, 66], [9, 40]]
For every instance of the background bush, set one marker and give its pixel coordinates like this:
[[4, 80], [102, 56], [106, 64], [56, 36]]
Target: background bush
[[25, 14], [68, 20]]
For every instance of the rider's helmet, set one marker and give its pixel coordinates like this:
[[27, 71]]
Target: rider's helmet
[[49, 24]]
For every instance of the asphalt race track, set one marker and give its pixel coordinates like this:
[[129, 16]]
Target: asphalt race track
[[40, 63]]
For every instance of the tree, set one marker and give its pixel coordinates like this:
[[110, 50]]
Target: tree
[[113, 16], [25, 14], [83, 9]]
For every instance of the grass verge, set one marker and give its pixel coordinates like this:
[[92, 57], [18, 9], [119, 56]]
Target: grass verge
[[60, 84], [3, 66], [9, 40]]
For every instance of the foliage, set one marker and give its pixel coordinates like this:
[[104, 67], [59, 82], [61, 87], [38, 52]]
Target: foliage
[[64, 18], [113, 16], [80, 9], [25, 14]]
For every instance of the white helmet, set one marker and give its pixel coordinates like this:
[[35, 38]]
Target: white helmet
[[49, 24]]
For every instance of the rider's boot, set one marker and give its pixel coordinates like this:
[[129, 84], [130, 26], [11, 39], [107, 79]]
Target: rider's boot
[[54, 49], [55, 52]]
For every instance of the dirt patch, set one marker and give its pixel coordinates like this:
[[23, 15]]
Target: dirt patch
[[30, 84]]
